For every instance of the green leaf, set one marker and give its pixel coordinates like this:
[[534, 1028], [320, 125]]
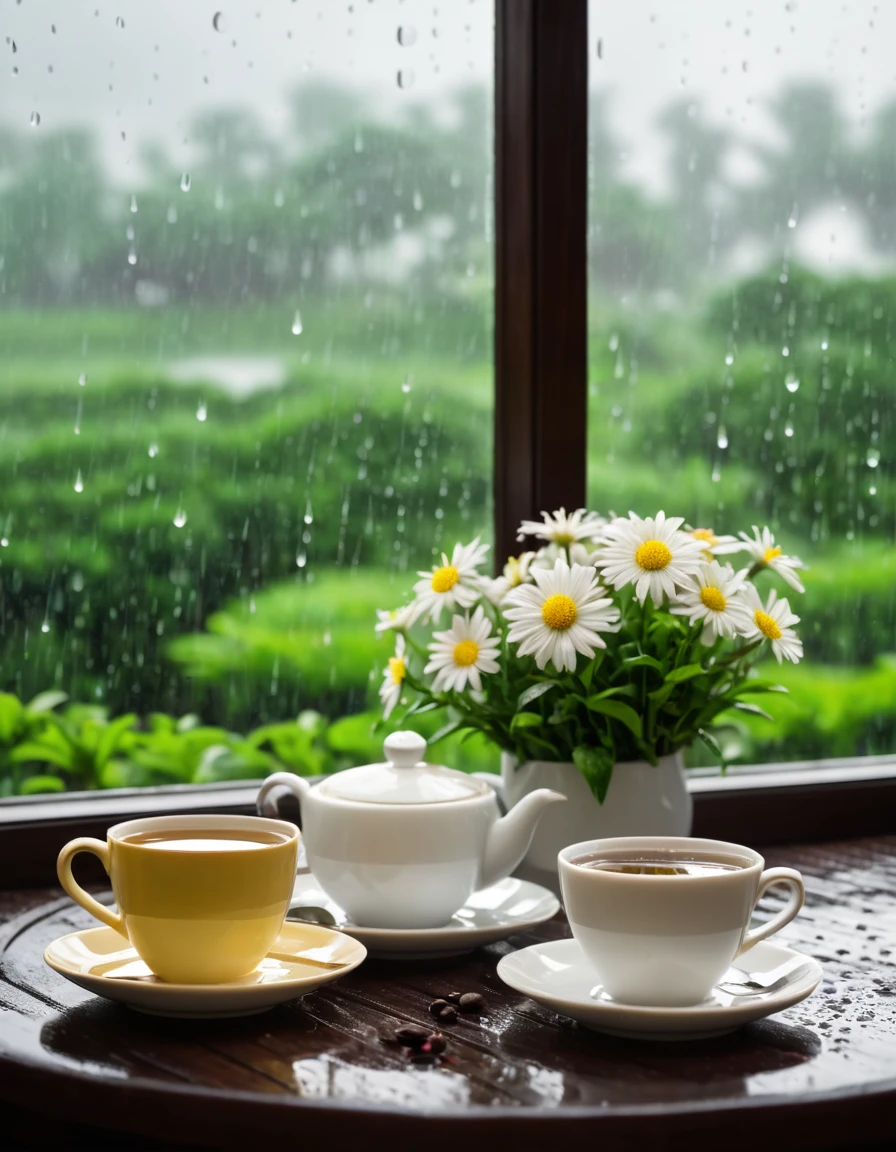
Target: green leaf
[[752, 709], [643, 661], [31, 752], [46, 702], [686, 672], [36, 784], [713, 745], [533, 693], [11, 714], [446, 730], [111, 736], [624, 713], [758, 686], [587, 674], [526, 720], [596, 765]]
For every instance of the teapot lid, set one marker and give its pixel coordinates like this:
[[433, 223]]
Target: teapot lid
[[403, 779]]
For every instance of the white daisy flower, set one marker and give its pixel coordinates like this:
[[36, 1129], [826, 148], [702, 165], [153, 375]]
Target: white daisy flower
[[560, 615], [548, 556], [516, 572], [767, 554], [395, 619], [772, 622], [562, 529], [653, 554], [456, 583], [716, 545], [461, 653], [714, 595], [393, 678]]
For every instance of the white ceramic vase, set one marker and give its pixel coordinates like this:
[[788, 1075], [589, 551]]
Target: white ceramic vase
[[642, 800]]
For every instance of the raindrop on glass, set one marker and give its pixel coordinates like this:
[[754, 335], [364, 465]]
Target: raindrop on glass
[[301, 559], [791, 383], [297, 324], [407, 383], [793, 217], [600, 49], [309, 515], [79, 482], [153, 450], [185, 182], [180, 517], [202, 412], [406, 77], [614, 342], [722, 438], [171, 214], [119, 23], [788, 429], [4, 543], [132, 256], [418, 202], [407, 35], [729, 359], [133, 203], [873, 457], [13, 46], [824, 345], [45, 627], [218, 22], [279, 198], [785, 351], [35, 119]]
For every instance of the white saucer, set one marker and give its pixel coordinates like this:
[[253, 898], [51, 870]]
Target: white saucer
[[558, 976], [490, 914], [103, 962]]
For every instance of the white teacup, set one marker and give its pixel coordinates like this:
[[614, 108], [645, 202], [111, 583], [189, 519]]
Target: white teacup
[[666, 939]]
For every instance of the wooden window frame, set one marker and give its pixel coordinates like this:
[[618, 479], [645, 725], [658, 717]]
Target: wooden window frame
[[541, 372]]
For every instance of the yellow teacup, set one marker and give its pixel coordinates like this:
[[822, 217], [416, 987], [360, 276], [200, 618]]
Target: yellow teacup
[[201, 898]]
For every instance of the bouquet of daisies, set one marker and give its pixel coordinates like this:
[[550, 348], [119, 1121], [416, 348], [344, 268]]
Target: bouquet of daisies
[[617, 639]]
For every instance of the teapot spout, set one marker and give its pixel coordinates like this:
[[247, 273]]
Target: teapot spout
[[509, 838]]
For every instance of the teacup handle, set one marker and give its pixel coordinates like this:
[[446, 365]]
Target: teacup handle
[[771, 876], [73, 888]]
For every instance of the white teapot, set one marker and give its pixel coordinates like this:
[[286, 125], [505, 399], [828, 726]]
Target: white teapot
[[404, 844]]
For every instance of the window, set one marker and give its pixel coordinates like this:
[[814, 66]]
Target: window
[[741, 304], [246, 283]]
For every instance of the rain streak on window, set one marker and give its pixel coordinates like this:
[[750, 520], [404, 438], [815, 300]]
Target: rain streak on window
[[742, 319], [245, 360]]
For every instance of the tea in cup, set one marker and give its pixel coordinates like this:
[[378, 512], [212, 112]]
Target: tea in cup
[[200, 898], [661, 918]]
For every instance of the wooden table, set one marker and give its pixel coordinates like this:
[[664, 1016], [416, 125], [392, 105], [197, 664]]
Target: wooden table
[[821, 1075]]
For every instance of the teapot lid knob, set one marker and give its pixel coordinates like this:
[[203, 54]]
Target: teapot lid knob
[[404, 749]]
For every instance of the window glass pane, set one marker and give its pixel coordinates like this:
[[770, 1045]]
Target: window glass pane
[[245, 353], [742, 248]]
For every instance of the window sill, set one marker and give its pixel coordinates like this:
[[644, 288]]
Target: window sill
[[755, 804]]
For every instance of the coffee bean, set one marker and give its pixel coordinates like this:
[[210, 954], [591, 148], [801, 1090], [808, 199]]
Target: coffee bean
[[412, 1035], [446, 1015], [472, 1002], [454, 997], [436, 1044], [437, 1006]]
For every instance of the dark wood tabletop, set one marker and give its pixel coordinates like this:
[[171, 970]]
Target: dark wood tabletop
[[820, 1075]]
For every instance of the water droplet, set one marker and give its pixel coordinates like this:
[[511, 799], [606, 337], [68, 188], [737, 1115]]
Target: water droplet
[[297, 324], [418, 201], [794, 216], [406, 77], [729, 359], [301, 558], [79, 482], [202, 412], [407, 35], [791, 383], [35, 119], [824, 345], [13, 46], [4, 543], [133, 203], [82, 379], [45, 627], [132, 256], [171, 215], [218, 22], [788, 429], [279, 198], [119, 23], [873, 457], [614, 342], [785, 351], [185, 182], [153, 450], [872, 491], [180, 517], [600, 49], [407, 383], [359, 142], [722, 438], [309, 515], [327, 638]]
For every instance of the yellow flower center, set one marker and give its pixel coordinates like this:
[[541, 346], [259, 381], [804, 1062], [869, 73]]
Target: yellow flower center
[[713, 599], [559, 612], [397, 669], [706, 535], [444, 579], [466, 653], [771, 554], [512, 570], [653, 555], [766, 625], [564, 539]]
